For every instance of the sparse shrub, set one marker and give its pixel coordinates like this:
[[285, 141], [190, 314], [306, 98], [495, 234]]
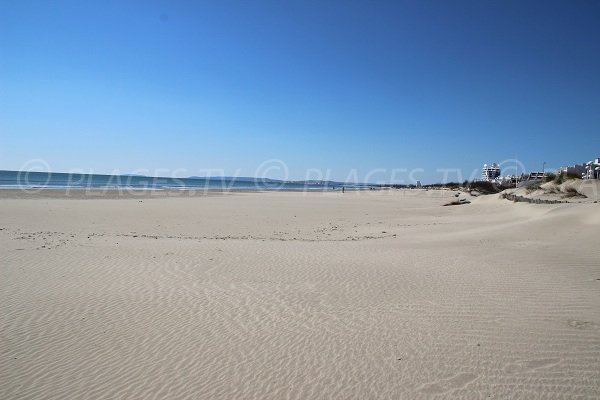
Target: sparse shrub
[[533, 187], [484, 187], [549, 177], [559, 178], [570, 191]]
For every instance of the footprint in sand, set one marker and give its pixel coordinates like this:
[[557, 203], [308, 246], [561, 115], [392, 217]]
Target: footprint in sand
[[446, 385], [530, 365]]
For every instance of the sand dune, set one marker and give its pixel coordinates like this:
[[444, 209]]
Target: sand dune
[[367, 295]]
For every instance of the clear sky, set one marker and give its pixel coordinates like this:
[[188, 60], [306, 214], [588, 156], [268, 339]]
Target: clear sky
[[180, 87]]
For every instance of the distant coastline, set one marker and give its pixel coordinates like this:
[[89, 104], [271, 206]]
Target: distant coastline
[[64, 180]]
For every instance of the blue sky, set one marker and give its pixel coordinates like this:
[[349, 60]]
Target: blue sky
[[179, 88]]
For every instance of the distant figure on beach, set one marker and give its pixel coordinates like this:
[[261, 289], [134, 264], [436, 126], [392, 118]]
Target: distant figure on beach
[[343, 189]]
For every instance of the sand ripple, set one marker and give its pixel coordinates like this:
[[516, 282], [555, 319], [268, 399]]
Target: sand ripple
[[458, 309]]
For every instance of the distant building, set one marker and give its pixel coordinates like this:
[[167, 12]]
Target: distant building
[[536, 175], [419, 184], [589, 170], [510, 180], [490, 172], [577, 169], [592, 170]]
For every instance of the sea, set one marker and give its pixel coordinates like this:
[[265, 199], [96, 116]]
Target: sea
[[58, 180]]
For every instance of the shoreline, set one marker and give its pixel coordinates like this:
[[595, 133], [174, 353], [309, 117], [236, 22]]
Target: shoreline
[[97, 193]]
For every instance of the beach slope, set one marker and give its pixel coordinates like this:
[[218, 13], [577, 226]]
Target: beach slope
[[378, 295]]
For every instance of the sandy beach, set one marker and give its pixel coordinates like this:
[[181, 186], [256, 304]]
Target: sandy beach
[[283, 295]]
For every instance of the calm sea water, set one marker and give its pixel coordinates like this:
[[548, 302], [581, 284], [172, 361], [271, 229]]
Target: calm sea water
[[16, 179]]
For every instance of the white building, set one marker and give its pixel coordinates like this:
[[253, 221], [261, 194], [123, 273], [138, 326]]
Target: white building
[[490, 172], [589, 170], [592, 170]]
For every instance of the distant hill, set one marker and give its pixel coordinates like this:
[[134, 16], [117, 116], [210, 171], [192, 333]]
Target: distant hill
[[253, 179], [236, 178], [319, 182]]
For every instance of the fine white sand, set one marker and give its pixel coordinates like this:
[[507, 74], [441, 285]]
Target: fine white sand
[[372, 295]]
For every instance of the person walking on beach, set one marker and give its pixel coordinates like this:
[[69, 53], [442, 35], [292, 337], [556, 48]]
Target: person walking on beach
[[343, 189]]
